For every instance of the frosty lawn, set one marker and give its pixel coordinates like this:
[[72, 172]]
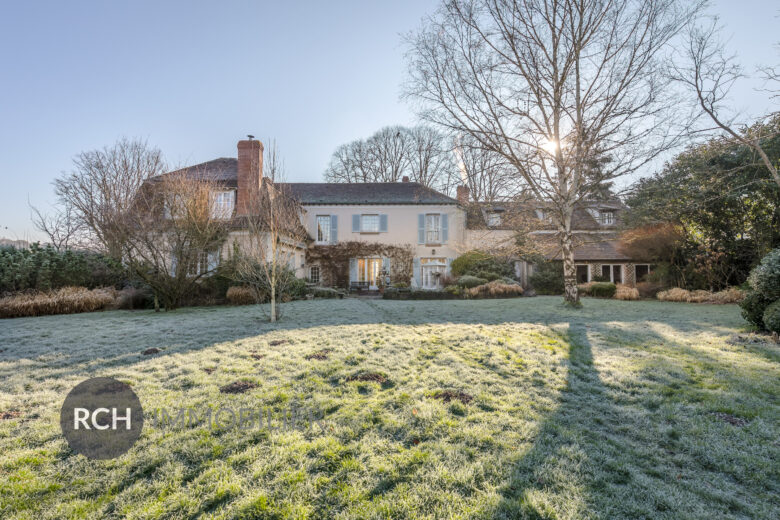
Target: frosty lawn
[[488, 409]]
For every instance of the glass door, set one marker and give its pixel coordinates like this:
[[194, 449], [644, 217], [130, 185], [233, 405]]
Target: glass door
[[432, 271], [368, 271]]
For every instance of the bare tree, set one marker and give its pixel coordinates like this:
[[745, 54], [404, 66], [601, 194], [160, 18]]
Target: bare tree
[[709, 72], [420, 152], [63, 229], [267, 252], [173, 234], [486, 173], [549, 85], [102, 187]]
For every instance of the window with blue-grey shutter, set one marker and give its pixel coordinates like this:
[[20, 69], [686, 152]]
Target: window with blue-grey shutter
[[334, 221], [444, 228], [449, 269], [421, 228], [383, 223], [417, 281], [356, 223]]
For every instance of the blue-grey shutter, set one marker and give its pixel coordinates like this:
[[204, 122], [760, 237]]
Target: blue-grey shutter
[[334, 229], [356, 223], [386, 263], [421, 228], [417, 280], [383, 223], [353, 270], [445, 228], [449, 263], [173, 264]]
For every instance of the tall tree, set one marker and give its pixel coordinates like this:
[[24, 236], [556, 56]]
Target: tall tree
[[102, 187], [551, 85], [710, 72]]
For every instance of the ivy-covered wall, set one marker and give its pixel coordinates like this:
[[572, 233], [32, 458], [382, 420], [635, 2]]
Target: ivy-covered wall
[[334, 260]]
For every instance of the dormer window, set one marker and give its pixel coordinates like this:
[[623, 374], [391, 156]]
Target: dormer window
[[494, 219], [607, 217]]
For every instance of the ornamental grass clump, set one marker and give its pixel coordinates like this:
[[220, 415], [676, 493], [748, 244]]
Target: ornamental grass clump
[[68, 300], [495, 289], [624, 292]]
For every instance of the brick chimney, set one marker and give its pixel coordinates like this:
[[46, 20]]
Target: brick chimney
[[405, 178], [462, 194], [250, 172]]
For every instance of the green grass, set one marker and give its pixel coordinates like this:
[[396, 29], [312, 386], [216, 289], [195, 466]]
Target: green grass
[[609, 411]]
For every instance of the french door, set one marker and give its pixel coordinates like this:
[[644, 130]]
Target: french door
[[432, 271], [368, 271]]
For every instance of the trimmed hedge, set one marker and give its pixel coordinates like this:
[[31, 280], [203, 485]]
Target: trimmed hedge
[[468, 281], [392, 293], [603, 289], [548, 278]]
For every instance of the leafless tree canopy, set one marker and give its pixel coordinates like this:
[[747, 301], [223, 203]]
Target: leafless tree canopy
[[421, 153], [101, 189], [172, 235], [709, 72], [265, 260], [568, 92], [61, 226]]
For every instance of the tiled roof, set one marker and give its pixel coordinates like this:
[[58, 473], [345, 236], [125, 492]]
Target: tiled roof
[[588, 247], [225, 171], [516, 211]]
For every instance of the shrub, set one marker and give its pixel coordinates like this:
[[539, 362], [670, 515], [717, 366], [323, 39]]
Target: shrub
[[467, 262], [396, 294], [477, 263], [649, 289], [730, 295], [584, 288], [468, 281], [764, 283], [600, 278], [495, 289], [134, 298], [455, 290], [401, 285], [699, 296], [327, 292], [603, 289], [548, 278], [237, 295], [765, 278], [772, 317], [674, 294], [67, 300], [625, 292], [753, 307], [488, 275]]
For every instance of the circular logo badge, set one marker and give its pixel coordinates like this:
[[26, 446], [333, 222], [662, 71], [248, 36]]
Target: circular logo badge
[[101, 418]]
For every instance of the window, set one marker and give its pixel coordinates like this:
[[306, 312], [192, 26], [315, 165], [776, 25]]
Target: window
[[494, 219], [204, 263], [544, 215], [607, 217], [369, 223], [433, 228], [222, 204], [613, 273], [432, 269], [641, 271], [583, 273], [323, 228], [314, 274]]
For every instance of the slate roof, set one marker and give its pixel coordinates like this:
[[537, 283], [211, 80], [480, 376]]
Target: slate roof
[[588, 247], [225, 171], [515, 211]]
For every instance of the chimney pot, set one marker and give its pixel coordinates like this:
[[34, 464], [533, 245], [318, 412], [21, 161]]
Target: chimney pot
[[405, 178]]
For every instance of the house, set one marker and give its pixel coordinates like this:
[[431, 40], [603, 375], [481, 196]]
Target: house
[[369, 234]]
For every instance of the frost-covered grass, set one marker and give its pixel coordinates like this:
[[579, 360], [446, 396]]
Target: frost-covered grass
[[616, 410]]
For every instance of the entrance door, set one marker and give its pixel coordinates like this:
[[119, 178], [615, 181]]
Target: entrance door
[[617, 273], [432, 271], [368, 271]]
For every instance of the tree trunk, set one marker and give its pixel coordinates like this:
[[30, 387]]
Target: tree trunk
[[571, 294], [273, 296]]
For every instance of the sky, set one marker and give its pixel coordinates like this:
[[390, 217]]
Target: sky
[[194, 77]]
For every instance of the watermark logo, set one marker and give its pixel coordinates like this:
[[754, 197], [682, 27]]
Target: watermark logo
[[101, 418]]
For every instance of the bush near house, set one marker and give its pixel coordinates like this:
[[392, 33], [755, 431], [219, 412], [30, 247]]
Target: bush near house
[[603, 289], [547, 278], [764, 282], [482, 265], [238, 295], [392, 293], [730, 295], [624, 292], [772, 317], [495, 289], [43, 268], [468, 281]]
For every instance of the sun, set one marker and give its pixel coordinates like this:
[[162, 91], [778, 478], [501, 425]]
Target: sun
[[550, 146]]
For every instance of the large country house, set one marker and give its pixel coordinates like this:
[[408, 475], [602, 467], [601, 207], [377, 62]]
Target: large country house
[[366, 234]]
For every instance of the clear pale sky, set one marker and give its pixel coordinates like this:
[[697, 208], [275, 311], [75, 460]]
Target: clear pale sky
[[194, 77]]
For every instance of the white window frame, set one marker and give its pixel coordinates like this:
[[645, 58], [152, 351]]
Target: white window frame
[[494, 219], [363, 220], [222, 204], [583, 265], [433, 228], [612, 272], [603, 217], [321, 238], [312, 270]]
